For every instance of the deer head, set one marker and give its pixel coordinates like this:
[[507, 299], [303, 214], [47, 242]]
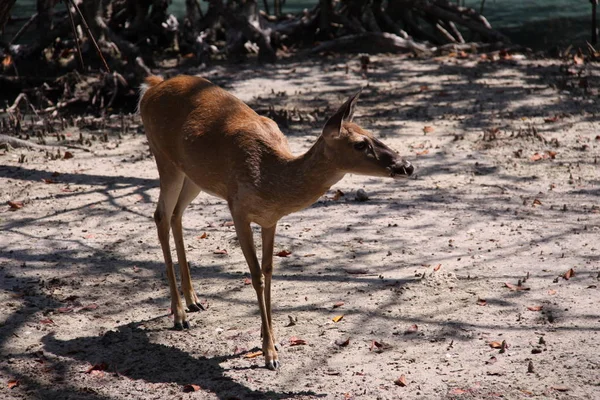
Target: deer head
[[356, 150]]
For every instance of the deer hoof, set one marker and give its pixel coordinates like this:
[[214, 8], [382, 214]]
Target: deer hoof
[[273, 365], [179, 326], [195, 307]]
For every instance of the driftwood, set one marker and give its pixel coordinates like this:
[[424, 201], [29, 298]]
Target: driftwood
[[371, 42]]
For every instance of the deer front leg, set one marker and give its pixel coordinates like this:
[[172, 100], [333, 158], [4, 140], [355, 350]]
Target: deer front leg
[[244, 233], [268, 240]]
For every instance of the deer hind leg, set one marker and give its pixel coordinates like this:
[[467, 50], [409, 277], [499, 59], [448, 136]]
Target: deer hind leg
[[189, 192], [171, 182], [244, 232]]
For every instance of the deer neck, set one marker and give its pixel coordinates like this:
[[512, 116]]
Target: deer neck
[[308, 177]]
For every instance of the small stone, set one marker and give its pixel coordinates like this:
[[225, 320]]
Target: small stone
[[361, 195]]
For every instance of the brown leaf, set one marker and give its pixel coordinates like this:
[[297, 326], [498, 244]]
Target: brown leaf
[[338, 194], [569, 274], [578, 59], [338, 304], [538, 156], [428, 129], [203, 236], [401, 381], [46, 321], [552, 119], [64, 310], [13, 383], [136, 269], [343, 343], [294, 341], [437, 267], [284, 253], [561, 388], [495, 345], [89, 307], [375, 345], [191, 388], [247, 281], [356, 271], [253, 354], [68, 155], [551, 154], [422, 153], [515, 287], [97, 367], [15, 205], [337, 318], [220, 251], [537, 202], [481, 302], [458, 391], [412, 329], [228, 223], [551, 292], [535, 308], [49, 181]]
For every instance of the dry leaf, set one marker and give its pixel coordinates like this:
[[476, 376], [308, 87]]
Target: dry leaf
[[458, 391], [537, 202], [64, 310], [551, 292], [569, 274], [294, 341], [253, 354], [338, 194], [578, 59], [538, 156], [220, 251], [247, 281], [551, 154], [191, 388], [337, 318], [428, 129], [338, 304], [401, 381], [7, 61], [13, 383], [228, 223], [535, 308], [375, 345], [68, 155], [422, 153], [284, 253], [561, 388], [481, 302], [97, 367], [552, 119], [343, 343], [515, 287], [15, 205], [495, 345], [89, 307], [492, 360], [49, 181], [412, 329], [46, 321], [437, 267], [204, 235]]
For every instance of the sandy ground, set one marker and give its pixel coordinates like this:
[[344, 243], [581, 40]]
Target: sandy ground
[[434, 273]]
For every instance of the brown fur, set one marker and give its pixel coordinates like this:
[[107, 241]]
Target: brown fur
[[204, 138]]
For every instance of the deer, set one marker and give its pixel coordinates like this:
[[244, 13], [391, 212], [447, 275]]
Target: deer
[[203, 138]]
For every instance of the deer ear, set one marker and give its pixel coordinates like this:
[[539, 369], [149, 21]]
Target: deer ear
[[344, 114]]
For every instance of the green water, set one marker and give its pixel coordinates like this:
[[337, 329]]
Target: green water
[[535, 23]]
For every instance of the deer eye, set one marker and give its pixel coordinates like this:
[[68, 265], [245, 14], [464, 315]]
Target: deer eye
[[360, 145]]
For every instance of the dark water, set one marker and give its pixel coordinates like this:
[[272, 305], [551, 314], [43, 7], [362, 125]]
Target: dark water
[[535, 23]]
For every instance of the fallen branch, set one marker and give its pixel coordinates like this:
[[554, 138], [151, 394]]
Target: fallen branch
[[372, 43]]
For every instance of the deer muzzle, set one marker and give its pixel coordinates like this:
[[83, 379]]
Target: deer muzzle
[[401, 169]]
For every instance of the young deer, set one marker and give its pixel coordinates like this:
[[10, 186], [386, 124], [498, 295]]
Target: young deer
[[204, 138]]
